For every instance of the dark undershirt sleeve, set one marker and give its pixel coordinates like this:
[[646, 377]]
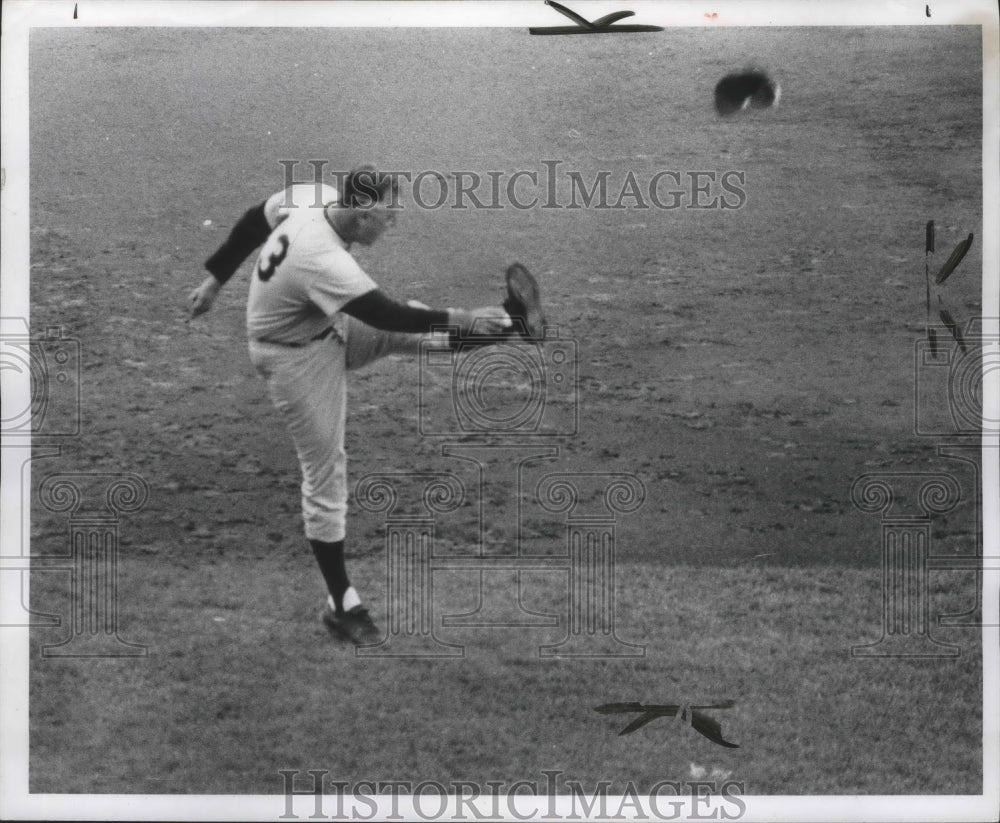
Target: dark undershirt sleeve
[[250, 231], [377, 309]]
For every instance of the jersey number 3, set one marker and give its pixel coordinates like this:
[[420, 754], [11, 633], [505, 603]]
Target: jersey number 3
[[266, 270]]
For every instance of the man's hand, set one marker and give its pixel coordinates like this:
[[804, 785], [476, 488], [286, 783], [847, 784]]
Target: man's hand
[[489, 320], [202, 298]]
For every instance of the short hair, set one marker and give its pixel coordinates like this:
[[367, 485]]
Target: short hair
[[366, 186]]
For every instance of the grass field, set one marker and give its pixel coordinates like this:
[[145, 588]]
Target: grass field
[[747, 365]]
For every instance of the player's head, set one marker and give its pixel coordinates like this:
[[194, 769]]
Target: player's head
[[370, 202], [367, 187]]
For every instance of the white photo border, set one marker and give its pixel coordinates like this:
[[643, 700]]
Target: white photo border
[[19, 17]]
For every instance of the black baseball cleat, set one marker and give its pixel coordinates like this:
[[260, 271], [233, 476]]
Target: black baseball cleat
[[355, 625], [524, 303]]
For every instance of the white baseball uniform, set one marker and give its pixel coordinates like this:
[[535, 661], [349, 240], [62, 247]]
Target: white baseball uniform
[[303, 277]]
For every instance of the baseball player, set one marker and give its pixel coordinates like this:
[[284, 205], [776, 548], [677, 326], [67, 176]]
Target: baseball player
[[313, 315]]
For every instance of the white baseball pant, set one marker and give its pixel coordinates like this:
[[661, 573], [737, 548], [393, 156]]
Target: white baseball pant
[[308, 385]]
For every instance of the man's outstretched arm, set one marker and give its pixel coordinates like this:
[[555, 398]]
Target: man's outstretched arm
[[250, 231], [377, 309]]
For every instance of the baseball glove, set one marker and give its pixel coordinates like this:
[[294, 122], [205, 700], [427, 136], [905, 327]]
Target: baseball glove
[[524, 303]]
